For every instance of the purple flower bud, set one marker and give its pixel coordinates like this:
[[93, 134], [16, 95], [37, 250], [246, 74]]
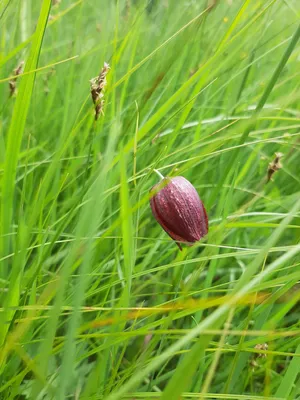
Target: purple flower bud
[[177, 207]]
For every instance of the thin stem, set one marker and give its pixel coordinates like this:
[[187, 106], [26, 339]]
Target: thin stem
[[159, 174]]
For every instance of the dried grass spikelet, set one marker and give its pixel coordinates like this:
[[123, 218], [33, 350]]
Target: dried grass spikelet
[[253, 362], [13, 82], [46, 79], [263, 346], [274, 166], [97, 88]]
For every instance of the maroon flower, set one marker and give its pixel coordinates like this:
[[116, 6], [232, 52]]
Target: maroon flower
[[177, 207]]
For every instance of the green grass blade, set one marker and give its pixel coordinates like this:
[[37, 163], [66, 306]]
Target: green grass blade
[[14, 139]]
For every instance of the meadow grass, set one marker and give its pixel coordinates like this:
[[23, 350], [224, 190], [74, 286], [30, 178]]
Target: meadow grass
[[97, 302]]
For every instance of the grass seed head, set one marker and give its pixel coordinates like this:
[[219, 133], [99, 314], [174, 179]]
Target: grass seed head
[[274, 166], [97, 90], [13, 82]]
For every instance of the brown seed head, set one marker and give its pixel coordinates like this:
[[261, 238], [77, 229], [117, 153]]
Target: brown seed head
[[13, 82], [97, 88], [274, 166]]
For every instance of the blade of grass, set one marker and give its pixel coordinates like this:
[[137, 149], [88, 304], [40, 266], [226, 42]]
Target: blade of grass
[[243, 287], [236, 154], [15, 134], [289, 377]]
